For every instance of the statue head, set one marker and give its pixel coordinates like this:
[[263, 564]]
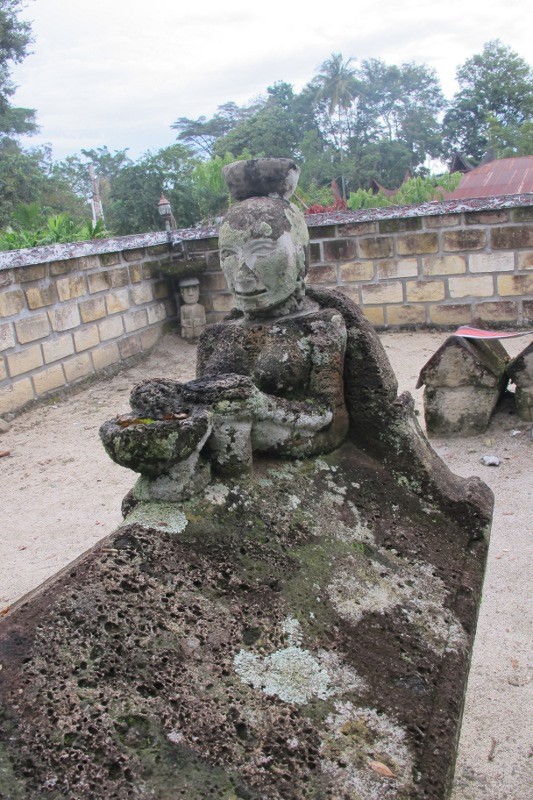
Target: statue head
[[190, 290], [264, 253], [263, 239]]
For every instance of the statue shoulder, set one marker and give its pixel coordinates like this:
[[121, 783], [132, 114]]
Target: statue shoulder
[[336, 299]]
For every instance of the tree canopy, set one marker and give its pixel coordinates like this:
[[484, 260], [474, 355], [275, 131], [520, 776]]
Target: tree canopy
[[355, 122], [495, 95], [15, 38]]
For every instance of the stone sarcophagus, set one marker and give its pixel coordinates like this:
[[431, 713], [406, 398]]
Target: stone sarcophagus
[[463, 381], [288, 609]]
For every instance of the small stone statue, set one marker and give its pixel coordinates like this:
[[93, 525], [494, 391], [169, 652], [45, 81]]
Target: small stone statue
[[192, 313]]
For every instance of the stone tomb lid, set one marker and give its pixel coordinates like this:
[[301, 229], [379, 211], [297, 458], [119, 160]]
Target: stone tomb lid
[[304, 635], [460, 361]]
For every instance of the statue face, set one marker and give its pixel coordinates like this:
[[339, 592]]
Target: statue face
[[261, 272], [190, 294]]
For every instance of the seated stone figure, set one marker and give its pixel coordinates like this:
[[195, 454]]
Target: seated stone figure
[[289, 373], [270, 378], [290, 348]]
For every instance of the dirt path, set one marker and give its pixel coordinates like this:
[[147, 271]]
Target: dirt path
[[60, 494]]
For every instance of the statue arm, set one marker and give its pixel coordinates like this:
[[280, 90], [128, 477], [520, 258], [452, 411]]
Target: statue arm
[[319, 423]]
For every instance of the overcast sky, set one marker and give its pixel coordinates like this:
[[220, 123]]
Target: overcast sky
[[119, 72]]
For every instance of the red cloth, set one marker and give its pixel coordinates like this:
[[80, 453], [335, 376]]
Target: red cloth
[[477, 333]]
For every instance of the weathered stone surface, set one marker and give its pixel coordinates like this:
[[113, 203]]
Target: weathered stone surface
[[461, 411], [32, 328], [192, 313], [11, 302], [25, 360], [261, 177], [340, 249], [512, 237], [375, 247], [39, 296], [398, 225], [417, 243], [7, 336], [473, 239], [406, 315], [265, 640], [520, 371], [464, 380], [281, 625]]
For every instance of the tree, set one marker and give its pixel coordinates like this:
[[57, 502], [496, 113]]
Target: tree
[[15, 37], [136, 189], [27, 177], [74, 171], [496, 88], [336, 88], [202, 134], [274, 130]]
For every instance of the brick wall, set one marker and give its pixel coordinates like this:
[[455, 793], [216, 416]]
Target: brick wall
[[68, 317], [440, 264], [70, 311], [441, 270]]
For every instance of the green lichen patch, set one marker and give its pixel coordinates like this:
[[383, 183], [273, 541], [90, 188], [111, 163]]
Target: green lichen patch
[[158, 516]]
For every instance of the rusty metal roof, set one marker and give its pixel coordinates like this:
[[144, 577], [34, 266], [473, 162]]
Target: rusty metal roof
[[503, 176]]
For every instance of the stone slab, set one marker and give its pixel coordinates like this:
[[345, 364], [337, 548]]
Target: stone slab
[[291, 636]]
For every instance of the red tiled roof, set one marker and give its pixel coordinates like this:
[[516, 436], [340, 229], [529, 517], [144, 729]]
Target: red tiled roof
[[503, 176]]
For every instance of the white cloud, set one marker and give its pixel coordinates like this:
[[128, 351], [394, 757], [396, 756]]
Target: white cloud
[[119, 72]]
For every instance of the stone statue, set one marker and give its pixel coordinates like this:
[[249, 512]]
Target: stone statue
[[270, 378], [192, 313], [289, 607], [290, 373]]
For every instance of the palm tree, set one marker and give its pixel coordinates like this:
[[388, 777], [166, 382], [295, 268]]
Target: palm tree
[[336, 85]]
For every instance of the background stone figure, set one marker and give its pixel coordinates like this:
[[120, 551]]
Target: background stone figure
[[192, 313]]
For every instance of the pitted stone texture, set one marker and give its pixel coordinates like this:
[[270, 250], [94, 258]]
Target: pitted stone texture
[[153, 447], [209, 650], [156, 398], [261, 177]]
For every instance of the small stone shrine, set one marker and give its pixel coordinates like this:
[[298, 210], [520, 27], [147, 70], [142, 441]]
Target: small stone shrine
[[464, 380], [288, 610], [192, 313]]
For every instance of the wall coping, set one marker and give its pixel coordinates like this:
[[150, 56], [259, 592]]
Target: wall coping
[[63, 252]]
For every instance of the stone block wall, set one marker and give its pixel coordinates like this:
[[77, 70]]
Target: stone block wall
[[440, 264], [70, 311], [70, 316]]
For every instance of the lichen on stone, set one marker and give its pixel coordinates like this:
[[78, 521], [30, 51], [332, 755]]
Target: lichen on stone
[[385, 582], [359, 737], [157, 516]]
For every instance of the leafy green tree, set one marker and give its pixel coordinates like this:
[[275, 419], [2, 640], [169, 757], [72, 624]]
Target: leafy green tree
[[386, 161], [275, 129], [74, 171], [202, 134], [496, 88], [136, 189], [337, 86], [26, 176], [15, 38], [209, 189], [510, 140]]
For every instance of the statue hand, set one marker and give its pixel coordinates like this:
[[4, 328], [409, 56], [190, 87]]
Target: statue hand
[[214, 389]]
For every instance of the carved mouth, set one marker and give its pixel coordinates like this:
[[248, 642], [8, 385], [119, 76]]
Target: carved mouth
[[253, 293]]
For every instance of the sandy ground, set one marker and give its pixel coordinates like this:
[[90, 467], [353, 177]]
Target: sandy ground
[[60, 494]]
